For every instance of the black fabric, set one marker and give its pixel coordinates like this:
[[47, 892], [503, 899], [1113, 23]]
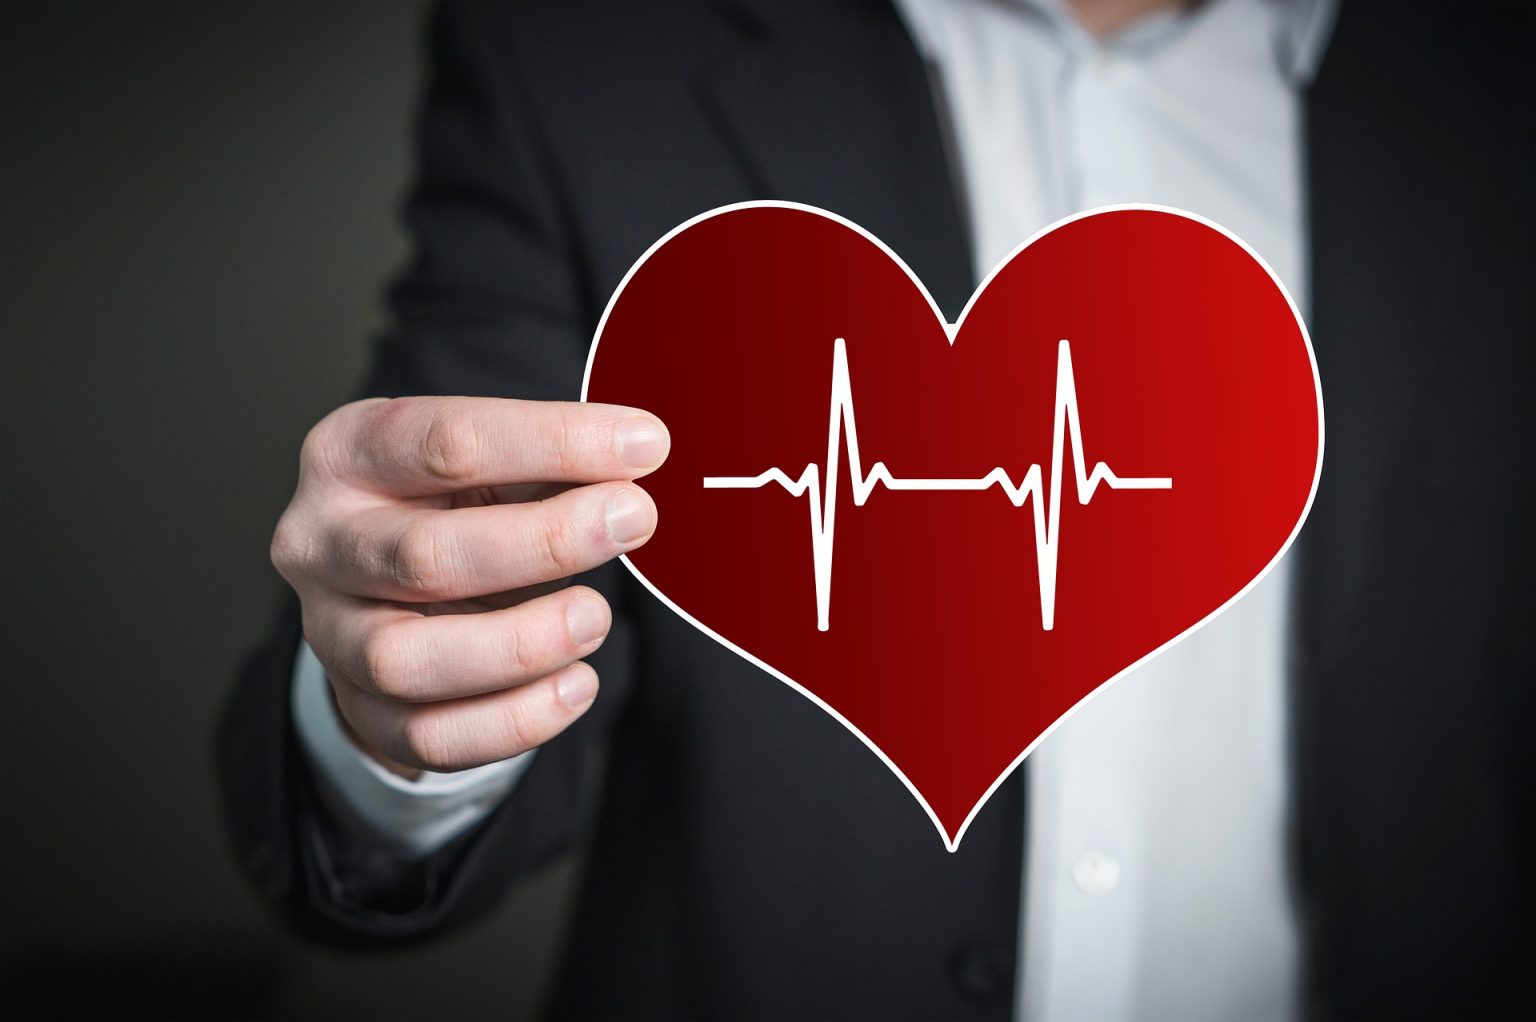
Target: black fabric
[[1414, 719], [749, 860]]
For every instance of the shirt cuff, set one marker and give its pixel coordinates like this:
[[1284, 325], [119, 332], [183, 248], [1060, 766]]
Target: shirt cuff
[[414, 817]]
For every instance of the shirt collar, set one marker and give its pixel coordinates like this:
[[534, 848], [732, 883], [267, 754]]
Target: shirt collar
[[1303, 27], [1307, 25]]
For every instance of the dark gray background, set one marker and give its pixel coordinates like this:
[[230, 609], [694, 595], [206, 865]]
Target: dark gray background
[[197, 211]]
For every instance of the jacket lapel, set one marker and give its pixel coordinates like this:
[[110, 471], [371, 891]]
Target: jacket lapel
[[1408, 672], [829, 105], [1370, 337]]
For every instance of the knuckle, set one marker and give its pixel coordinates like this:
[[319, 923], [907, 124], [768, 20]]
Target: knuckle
[[560, 546], [565, 456], [419, 561], [315, 450], [450, 447], [323, 443], [293, 547], [389, 664], [426, 741], [520, 652], [350, 546], [522, 729]]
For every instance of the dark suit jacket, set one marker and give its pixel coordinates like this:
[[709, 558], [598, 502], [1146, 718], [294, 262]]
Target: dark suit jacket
[[749, 859]]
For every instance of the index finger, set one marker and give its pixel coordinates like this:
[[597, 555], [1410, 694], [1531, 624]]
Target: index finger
[[417, 446]]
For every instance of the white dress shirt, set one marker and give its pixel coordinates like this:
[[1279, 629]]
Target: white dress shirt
[[1156, 880]]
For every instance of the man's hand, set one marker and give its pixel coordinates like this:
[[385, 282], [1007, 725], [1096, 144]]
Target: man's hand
[[427, 541]]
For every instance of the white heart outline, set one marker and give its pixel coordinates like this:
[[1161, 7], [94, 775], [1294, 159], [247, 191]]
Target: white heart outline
[[951, 331]]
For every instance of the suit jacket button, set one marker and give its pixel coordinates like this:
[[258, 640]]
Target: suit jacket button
[[982, 970]]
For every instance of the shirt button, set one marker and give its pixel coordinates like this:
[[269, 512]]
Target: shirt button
[[1096, 873]]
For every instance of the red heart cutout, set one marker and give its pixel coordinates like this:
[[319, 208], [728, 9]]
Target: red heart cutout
[[915, 608]]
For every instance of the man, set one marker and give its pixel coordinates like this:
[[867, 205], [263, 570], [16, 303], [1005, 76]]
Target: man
[[1338, 821]]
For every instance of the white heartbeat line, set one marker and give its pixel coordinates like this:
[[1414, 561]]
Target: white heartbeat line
[[823, 500]]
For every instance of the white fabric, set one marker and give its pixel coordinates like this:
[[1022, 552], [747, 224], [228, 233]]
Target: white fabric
[[1156, 882]]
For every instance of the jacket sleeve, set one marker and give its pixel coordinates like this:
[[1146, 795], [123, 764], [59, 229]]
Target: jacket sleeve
[[492, 304]]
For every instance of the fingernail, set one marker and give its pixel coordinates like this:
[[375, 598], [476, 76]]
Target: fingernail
[[586, 619], [577, 686], [629, 516], [642, 443]]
